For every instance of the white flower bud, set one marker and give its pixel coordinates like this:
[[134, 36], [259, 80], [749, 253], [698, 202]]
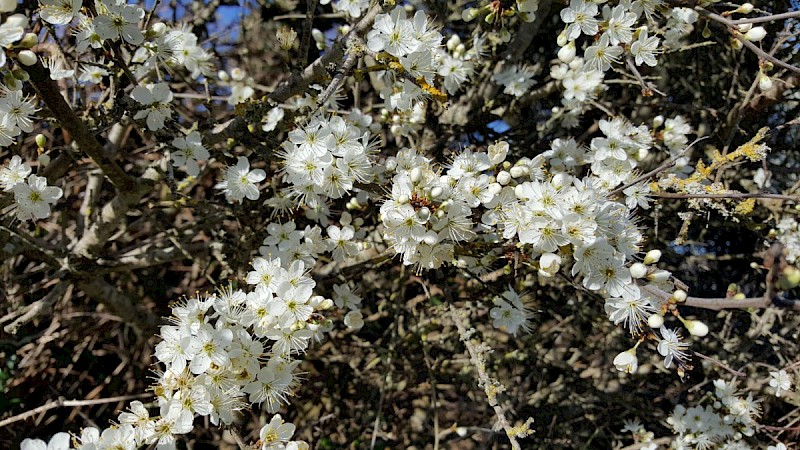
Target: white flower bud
[[652, 256], [638, 270], [453, 42], [237, 74], [549, 263], [567, 53], [659, 276], [29, 40], [658, 121], [27, 58], [745, 8], [736, 44], [756, 34], [391, 164], [764, 82], [627, 361], [517, 172], [319, 38], [655, 321], [325, 305], [223, 76], [745, 27], [696, 328], [503, 178], [415, 175], [354, 320], [424, 214], [403, 199], [679, 295], [561, 40], [158, 28]]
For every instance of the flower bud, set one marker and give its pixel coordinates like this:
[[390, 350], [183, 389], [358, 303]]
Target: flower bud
[[436, 192], [503, 178], [27, 58], [745, 8], [424, 214], [41, 140], [638, 270], [29, 40], [319, 38], [354, 320], [679, 295], [549, 263], [415, 175], [764, 82], [561, 40], [755, 34], [627, 361], [517, 172], [659, 276], [403, 199], [158, 29], [655, 321], [696, 328], [567, 53], [658, 121], [652, 257], [470, 14], [223, 76], [736, 44], [745, 27]]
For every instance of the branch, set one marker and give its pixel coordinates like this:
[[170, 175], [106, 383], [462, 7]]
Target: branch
[[732, 195], [70, 404], [733, 29], [770, 18], [718, 304], [48, 91]]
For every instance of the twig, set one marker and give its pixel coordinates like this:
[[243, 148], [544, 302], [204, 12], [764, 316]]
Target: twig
[[733, 29], [732, 195], [238, 438], [664, 166], [717, 304], [721, 364], [60, 402], [647, 87], [770, 18], [477, 359]]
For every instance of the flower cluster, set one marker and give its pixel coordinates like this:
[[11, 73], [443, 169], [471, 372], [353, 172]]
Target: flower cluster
[[326, 158], [727, 420], [32, 195], [222, 352]]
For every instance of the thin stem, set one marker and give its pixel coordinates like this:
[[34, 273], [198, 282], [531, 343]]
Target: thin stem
[[770, 18], [732, 28], [60, 402], [732, 195]]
